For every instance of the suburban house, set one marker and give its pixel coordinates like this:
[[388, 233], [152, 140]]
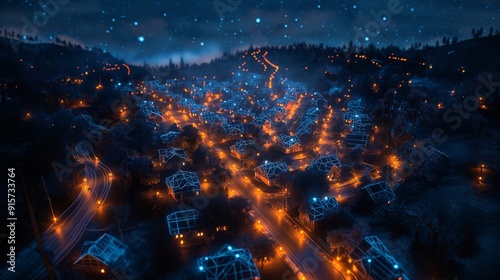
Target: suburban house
[[229, 264], [183, 185], [239, 147], [268, 171], [374, 260], [186, 226], [329, 165], [169, 137], [356, 140], [233, 131], [289, 144], [380, 193], [103, 254], [316, 210]]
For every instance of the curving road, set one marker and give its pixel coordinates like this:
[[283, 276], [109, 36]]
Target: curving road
[[61, 237]]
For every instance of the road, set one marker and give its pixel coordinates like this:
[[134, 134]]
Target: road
[[62, 236], [309, 262]]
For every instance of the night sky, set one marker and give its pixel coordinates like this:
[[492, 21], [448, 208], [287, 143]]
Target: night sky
[[154, 31]]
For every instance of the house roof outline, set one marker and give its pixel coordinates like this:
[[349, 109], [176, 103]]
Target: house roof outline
[[240, 145], [287, 141], [325, 163], [374, 260], [229, 264], [107, 249], [272, 169], [183, 181], [169, 137], [183, 221], [318, 209], [167, 154], [380, 192]]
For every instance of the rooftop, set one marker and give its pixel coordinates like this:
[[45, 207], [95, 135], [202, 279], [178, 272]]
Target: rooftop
[[325, 163], [229, 264], [107, 249], [183, 221], [183, 181]]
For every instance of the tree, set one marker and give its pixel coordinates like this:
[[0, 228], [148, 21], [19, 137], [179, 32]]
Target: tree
[[344, 240], [339, 241], [414, 110], [182, 65], [308, 184], [384, 111], [190, 138], [139, 171], [480, 32], [263, 249]]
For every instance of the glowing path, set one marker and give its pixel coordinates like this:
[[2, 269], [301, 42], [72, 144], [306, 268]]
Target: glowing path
[[61, 237], [276, 68]]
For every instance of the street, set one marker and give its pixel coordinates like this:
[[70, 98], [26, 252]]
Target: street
[[62, 236]]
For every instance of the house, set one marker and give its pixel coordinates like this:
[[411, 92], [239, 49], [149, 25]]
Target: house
[[317, 210], [230, 105], [103, 254], [329, 165], [149, 110], [239, 148], [262, 121], [211, 118], [261, 103], [276, 113], [286, 101], [374, 260], [195, 109], [229, 264], [289, 144], [305, 125], [184, 103], [268, 171], [355, 106], [186, 226], [354, 117], [169, 137], [93, 131], [172, 153], [352, 140], [319, 101], [233, 131], [244, 114], [380, 193], [183, 185]]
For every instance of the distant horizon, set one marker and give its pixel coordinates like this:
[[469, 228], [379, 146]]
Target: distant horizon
[[204, 58]]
